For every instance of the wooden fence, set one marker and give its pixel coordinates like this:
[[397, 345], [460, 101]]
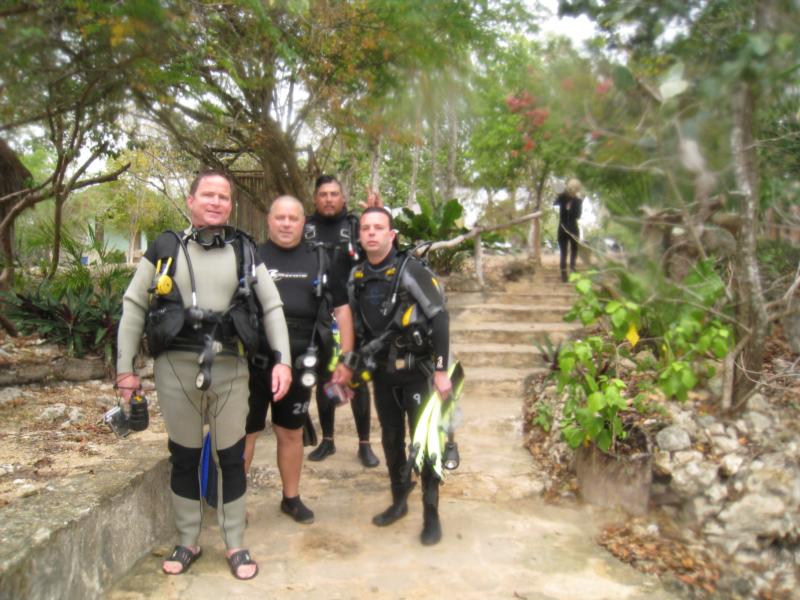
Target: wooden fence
[[247, 215]]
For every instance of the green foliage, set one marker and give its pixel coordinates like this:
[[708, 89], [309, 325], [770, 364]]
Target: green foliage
[[544, 416], [682, 325], [79, 308], [435, 223]]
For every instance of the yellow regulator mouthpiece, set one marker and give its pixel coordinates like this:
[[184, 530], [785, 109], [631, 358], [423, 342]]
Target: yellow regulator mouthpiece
[[164, 281], [164, 285]]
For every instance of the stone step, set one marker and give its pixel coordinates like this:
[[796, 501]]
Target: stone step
[[543, 295], [517, 356], [500, 382], [551, 313], [509, 333]]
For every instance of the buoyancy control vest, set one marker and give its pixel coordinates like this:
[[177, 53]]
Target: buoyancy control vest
[[346, 238], [407, 309], [167, 320]]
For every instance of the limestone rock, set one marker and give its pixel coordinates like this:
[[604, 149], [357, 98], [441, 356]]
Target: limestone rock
[[10, 395], [758, 422], [673, 439], [686, 456], [662, 464], [724, 444], [730, 464], [752, 517], [758, 403], [693, 478], [699, 509], [54, 412]]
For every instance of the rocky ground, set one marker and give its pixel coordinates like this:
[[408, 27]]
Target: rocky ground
[[724, 517], [52, 429]]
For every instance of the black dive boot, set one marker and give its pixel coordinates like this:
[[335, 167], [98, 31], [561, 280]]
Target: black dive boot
[[432, 527], [399, 507]]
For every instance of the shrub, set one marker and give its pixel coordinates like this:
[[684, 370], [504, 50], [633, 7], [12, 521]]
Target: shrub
[[436, 223], [682, 324]]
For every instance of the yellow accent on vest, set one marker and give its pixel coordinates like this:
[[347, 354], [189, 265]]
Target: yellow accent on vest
[[391, 271], [408, 315], [358, 274]]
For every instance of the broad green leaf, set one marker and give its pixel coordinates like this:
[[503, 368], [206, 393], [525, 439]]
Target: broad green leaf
[[573, 436], [584, 286], [603, 440], [596, 402]]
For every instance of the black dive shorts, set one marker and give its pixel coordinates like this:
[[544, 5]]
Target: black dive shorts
[[289, 412]]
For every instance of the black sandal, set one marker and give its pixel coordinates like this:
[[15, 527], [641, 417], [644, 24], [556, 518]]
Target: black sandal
[[237, 559], [184, 556]]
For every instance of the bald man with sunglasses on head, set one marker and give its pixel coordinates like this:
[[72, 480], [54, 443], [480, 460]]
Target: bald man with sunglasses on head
[[194, 293]]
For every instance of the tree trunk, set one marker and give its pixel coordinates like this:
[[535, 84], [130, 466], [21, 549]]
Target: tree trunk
[[435, 177], [416, 152], [535, 232], [58, 219], [452, 147], [13, 178], [752, 311], [374, 165]]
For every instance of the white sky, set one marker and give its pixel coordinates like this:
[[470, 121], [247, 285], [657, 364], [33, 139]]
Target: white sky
[[578, 29]]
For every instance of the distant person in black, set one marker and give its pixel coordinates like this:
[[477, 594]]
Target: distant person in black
[[336, 228], [295, 268], [569, 212]]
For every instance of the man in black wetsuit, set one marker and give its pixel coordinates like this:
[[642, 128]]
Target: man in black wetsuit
[[336, 228], [303, 279], [411, 361]]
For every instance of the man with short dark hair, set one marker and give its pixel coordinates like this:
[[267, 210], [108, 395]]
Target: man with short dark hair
[[193, 292], [336, 228], [411, 359]]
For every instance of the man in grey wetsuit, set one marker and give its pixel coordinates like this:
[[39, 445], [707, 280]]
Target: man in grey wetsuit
[[196, 334]]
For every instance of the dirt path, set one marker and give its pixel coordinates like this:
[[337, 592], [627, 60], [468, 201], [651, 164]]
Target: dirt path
[[500, 540]]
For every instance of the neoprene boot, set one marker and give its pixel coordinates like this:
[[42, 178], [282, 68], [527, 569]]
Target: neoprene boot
[[431, 526], [399, 507]]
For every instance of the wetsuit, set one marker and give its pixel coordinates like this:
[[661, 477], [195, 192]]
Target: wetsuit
[[223, 405], [295, 272], [400, 390], [340, 236], [569, 212]]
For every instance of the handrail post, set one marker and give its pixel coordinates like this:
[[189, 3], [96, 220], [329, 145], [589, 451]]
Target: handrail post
[[479, 260]]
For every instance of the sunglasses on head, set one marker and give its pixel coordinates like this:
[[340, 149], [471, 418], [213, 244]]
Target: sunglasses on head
[[213, 237]]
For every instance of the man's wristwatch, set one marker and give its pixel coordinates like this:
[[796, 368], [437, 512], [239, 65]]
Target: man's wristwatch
[[349, 360]]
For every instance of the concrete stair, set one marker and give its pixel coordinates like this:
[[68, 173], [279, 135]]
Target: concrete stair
[[496, 335]]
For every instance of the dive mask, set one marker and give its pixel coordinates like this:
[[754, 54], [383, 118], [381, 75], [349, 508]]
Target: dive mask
[[213, 237]]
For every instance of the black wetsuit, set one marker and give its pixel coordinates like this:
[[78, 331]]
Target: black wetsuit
[[295, 272], [569, 212], [400, 391], [340, 236]]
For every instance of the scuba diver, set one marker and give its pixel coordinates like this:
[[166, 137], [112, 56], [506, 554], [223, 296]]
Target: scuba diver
[[201, 297], [337, 229], [409, 362], [303, 279]]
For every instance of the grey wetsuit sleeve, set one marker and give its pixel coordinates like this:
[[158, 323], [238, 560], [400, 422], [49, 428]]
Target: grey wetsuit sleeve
[[134, 311], [273, 319], [424, 287]]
